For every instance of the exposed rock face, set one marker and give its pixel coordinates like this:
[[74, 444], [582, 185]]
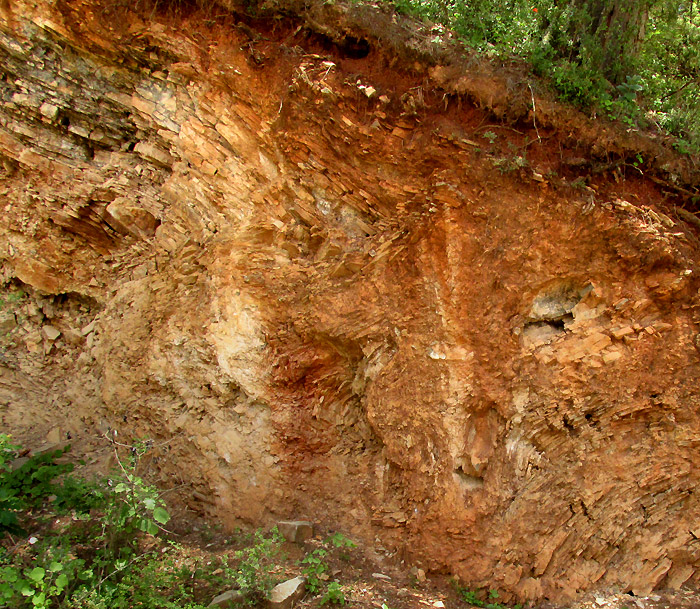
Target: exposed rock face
[[312, 289]]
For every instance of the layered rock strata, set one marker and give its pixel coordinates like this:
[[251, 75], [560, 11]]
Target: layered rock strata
[[318, 289]]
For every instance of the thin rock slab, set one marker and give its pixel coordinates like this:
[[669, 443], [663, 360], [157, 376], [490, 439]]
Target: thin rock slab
[[286, 594], [228, 600]]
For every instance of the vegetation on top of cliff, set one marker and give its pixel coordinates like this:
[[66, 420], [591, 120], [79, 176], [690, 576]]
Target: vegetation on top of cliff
[[634, 62]]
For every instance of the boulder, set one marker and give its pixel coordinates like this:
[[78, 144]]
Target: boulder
[[228, 599], [286, 594], [296, 531]]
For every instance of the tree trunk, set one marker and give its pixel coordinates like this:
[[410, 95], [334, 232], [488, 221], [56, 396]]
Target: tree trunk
[[617, 30], [605, 34]]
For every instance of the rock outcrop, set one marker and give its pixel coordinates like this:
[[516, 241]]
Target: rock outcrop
[[306, 274]]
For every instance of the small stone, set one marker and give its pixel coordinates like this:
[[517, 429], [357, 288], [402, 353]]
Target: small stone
[[384, 99], [661, 326], [50, 332], [611, 357], [89, 328], [135, 220], [7, 324], [381, 576], [369, 91], [72, 337], [154, 154], [595, 343], [438, 604], [54, 436], [17, 463], [420, 575], [620, 332], [49, 111], [228, 599], [284, 595], [296, 531]]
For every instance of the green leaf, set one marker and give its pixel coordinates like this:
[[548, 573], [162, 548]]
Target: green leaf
[[161, 515], [148, 526], [24, 588], [86, 575], [149, 503], [36, 574], [55, 567], [61, 582]]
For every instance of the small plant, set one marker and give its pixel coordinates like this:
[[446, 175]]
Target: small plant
[[579, 183], [628, 90], [334, 594], [29, 484], [38, 584], [475, 599], [507, 165], [133, 504], [91, 560], [686, 147], [253, 572], [12, 298], [338, 540], [471, 597], [315, 569], [490, 136]]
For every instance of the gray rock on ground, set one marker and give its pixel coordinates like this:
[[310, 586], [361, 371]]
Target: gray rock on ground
[[296, 531], [228, 600], [286, 594]]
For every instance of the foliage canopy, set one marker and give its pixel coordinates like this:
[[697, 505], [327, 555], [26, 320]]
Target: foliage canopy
[[634, 61]]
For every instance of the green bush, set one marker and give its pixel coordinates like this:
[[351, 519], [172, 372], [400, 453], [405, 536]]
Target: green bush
[[655, 78], [252, 572], [82, 560], [31, 483], [334, 594], [315, 568]]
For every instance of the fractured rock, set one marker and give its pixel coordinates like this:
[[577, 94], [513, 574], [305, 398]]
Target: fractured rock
[[228, 600], [51, 333], [296, 531], [284, 595]]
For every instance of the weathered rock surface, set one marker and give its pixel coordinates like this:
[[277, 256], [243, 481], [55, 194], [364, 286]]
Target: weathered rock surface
[[318, 300], [231, 599], [296, 531], [286, 594]]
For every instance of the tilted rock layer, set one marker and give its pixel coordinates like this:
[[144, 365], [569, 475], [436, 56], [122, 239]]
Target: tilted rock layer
[[323, 286]]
